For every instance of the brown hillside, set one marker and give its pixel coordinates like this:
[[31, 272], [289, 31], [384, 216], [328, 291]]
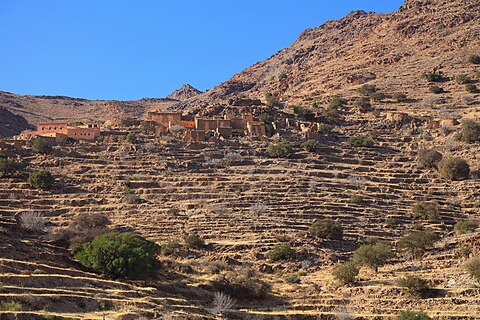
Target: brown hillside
[[184, 93]]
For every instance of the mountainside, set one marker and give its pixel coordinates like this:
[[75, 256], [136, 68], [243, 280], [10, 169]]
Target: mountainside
[[390, 50], [184, 93], [11, 124]]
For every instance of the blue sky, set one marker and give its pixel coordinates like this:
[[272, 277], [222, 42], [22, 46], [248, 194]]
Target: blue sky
[[125, 50]]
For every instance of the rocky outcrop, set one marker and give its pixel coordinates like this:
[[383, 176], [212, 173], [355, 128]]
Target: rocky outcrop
[[184, 93], [11, 124]]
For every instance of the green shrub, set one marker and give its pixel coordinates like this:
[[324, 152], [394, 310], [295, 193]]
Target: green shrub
[[477, 74], [10, 167], [465, 252], [435, 89], [10, 306], [462, 79], [310, 145], [331, 114], [282, 76], [425, 210], [373, 255], [454, 169], [355, 198], [40, 146], [433, 76], [429, 158], [465, 226], [326, 229], [271, 99], [363, 104], [367, 89], [193, 241], [120, 255], [131, 138], [417, 242], [413, 315], [241, 283], [471, 88], [281, 252], [338, 102], [303, 112], [346, 272], [358, 141], [474, 59], [469, 131], [280, 150], [41, 180], [170, 247], [473, 268], [414, 286], [292, 278]]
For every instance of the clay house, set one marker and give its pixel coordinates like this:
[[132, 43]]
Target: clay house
[[207, 128], [61, 131]]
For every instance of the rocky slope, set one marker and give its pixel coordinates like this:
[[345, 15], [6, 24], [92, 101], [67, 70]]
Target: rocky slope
[[391, 50], [11, 124], [184, 93]]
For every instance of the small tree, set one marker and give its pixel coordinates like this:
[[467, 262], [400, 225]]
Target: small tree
[[120, 255], [425, 210], [241, 283], [40, 145], [131, 138], [193, 241], [465, 226], [41, 180], [469, 131], [454, 169], [10, 167], [346, 272], [473, 268], [414, 286], [413, 315], [326, 229], [373, 255], [429, 158], [281, 252], [280, 150], [222, 302], [417, 242]]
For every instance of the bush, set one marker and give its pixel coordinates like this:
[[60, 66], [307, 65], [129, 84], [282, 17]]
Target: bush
[[292, 278], [471, 88], [473, 268], [429, 158], [413, 315], [454, 169], [373, 255], [346, 272], [469, 131], [120, 255], [271, 100], [324, 128], [326, 229], [41, 180], [417, 242], [358, 141], [193, 241], [170, 247], [433, 76], [363, 104], [462, 79], [331, 114], [355, 198], [40, 146], [265, 118], [281, 252], [474, 58], [415, 287], [131, 138], [425, 210], [303, 113], [10, 306], [367, 89], [465, 226], [242, 283], [338, 102], [435, 89], [10, 167], [32, 221], [84, 228], [310, 145], [282, 76], [280, 150]]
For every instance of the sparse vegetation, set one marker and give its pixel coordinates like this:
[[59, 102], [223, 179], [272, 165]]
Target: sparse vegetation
[[282, 76], [465, 226], [221, 303], [310, 145], [326, 229], [358, 141], [265, 118], [280, 150], [414, 286], [429, 158], [356, 198], [454, 169], [473, 268], [425, 210], [417, 242], [10, 306], [271, 100], [471, 88], [373, 255], [193, 241], [41, 180], [331, 115], [469, 131], [241, 283], [474, 59], [131, 138], [413, 315], [367, 89], [462, 79], [32, 221], [281, 252], [120, 255], [303, 113], [433, 76], [9, 167], [337, 102], [346, 272], [399, 97], [435, 89], [40, 145]]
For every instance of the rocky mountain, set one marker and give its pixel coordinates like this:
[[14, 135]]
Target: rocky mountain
[[391, 51], [11, 124], [184, 93]]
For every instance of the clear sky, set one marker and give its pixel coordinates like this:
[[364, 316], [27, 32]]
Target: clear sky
[[125, 50]]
